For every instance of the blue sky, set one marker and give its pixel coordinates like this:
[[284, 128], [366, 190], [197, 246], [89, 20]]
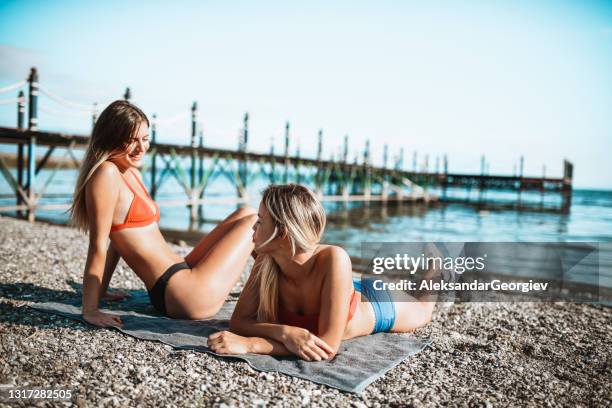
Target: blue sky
[[461, 78]]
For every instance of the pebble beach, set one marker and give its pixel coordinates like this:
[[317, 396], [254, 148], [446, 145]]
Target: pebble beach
[[482, 354]]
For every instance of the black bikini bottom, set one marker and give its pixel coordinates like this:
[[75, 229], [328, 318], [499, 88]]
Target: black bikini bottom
[[158, 291]]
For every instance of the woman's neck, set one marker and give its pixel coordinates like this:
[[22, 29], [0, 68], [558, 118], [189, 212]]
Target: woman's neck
[[295, 268], [122, 168]]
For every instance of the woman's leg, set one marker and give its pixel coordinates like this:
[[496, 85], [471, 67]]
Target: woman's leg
[[199, 293], [415, 312], [200, 251], [410, 316]]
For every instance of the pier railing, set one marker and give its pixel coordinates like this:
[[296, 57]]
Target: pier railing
[[336, 179]]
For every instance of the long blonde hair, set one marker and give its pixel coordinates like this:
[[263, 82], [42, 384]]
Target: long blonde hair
[[298, 211], [110, 138]]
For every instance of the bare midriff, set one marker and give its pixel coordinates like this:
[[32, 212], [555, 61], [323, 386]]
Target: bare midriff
[[146, 251]]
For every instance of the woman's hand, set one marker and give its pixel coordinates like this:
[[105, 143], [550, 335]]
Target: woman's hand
[[226, 342], [100, 319], [115, 295], [306, 345]]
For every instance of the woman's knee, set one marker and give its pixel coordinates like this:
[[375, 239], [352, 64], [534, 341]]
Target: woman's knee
[[247, 221], [245, 211], [412, 316]]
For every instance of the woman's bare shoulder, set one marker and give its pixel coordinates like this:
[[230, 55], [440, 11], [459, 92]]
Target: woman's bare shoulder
[[107, 174], [333, 255]]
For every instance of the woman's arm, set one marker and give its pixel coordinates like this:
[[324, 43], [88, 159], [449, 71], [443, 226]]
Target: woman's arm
[[252, 336], [226, 342], [336, 293], [112, 259], [243, 320], [101, 196]]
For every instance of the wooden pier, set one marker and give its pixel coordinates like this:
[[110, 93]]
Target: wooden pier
[[196, 166]]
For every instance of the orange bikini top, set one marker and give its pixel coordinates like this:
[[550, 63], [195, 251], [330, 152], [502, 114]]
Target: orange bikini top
[[311, 322], [140, 213]]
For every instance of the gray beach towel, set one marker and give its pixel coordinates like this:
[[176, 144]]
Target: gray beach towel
[[358, 363]]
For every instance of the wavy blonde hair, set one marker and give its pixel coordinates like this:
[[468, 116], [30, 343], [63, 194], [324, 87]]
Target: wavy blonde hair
[[110, 138], [298, 211]]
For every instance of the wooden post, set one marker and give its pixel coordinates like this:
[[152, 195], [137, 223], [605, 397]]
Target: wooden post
[[297, 148], [481, 183], [154, 157], [445, 164], [20, 125], [286, 176], [245, 137], [520, 188], [32, 126], [426, 173], [201, 176], [20, 110], [367, 170], [194, 129], [445, 179], [192, 179], [128, 94], [400, 160], [344, 191], [94, 115], [414, 161], [319, 173], [385, 155], [242, 162], [385, 183], [273, 163], [568, 172], [542, 185], [297, 164]]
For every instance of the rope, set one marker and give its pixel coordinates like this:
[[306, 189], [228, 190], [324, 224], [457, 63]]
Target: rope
[[172, 119], [60, 113], [65, 102], [14, 86], [8, 101]]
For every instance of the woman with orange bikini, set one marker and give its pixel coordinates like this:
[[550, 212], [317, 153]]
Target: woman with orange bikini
[[112, 204], [301, 298]]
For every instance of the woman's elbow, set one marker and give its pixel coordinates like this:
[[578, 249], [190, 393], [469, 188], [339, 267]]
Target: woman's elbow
[[236, 324], [97, 248]]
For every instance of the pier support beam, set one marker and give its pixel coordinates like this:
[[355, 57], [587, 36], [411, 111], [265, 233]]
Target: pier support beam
[[153, 188], [20, 148], [32, 126], [568, 173], [243, 162], [192, 179], [286, 175]]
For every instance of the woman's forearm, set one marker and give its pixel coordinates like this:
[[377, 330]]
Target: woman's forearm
[[92, 279], [252, 328], [112, 258], [262, 345]]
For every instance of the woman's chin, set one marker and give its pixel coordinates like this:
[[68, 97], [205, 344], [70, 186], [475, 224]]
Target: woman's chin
[[135, 163]]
